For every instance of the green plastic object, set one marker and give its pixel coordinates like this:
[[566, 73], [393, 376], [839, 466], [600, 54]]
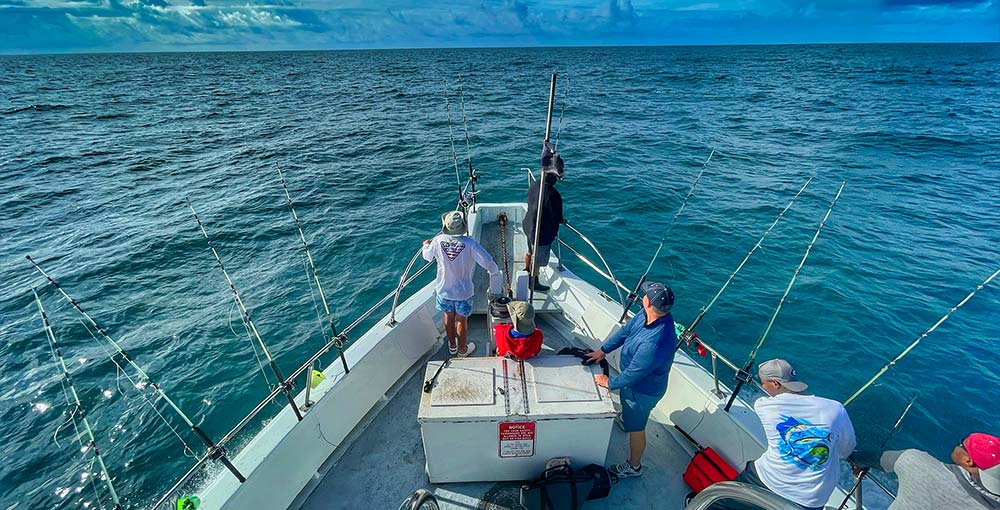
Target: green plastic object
[[317, 377], [188, 503]]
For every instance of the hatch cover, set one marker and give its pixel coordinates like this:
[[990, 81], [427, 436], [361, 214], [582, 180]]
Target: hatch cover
[[563, 382], [459, 385]]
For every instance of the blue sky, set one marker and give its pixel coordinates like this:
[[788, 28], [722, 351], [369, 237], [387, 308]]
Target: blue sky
[[44, 26]]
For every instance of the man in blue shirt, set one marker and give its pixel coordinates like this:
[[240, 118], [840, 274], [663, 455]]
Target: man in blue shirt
[[648, 342]]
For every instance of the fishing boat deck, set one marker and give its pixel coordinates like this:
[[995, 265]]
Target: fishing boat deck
[[385, 462], [517, 246]]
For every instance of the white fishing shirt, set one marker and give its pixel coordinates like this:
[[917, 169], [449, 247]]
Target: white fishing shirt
[[807, 436], [456, 258]]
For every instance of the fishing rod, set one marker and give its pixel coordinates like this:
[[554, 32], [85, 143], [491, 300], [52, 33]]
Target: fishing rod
[[689, 330], [216, 452], [77, 405], [859, 504], [322, 296], [634, 295], [454, 154], [285, 386], [541, 189], [923, 335], [468, 145], [744, 375]]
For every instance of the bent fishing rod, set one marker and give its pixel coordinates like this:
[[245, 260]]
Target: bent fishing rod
[[634, 295], [216, 452], [338, 339], [541, 190], [743, 376], [885, 368], [689, 330], [285, 386], [76, 404], [859, 503]]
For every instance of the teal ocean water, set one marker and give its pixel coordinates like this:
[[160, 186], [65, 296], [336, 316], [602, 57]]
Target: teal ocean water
[[99, 153]]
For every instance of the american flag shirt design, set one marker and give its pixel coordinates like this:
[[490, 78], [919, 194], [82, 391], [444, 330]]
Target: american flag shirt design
[[452, 249]]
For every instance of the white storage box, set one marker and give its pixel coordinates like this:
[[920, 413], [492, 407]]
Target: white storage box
[[494, 419]]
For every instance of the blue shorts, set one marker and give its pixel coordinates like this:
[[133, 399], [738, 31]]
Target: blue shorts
[[636, 408], [463, 308]]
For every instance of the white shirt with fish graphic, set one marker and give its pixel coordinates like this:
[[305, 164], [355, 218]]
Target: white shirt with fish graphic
[[457, 257], [807, 436]]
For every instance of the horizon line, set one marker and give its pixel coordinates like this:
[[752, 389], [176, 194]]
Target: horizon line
[[429, 48]]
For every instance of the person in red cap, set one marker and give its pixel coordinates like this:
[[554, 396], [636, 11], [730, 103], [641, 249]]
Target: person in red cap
[[925, 483]]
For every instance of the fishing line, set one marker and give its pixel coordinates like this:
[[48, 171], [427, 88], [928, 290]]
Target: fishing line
[[187, 450], [216, 452], [744, 375], [77, 405], [923, 335], [454, 153], [864, 471], [260, 363], [282, 383], [634, 295], [689, 330], [468, 144], [562, 111], [338, 339]]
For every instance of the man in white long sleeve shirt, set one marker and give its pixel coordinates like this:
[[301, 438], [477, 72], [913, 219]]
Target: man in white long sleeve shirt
[[457, 255]]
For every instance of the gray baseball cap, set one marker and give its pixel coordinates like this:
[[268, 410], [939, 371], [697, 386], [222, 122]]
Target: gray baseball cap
[[522, 314], [783, 372]]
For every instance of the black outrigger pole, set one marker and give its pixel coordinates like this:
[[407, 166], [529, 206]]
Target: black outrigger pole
[[541, 191], [689, 330], [214, 451], [337, 339], [743, 376], [73, 399], [285, 386], [634, 295]]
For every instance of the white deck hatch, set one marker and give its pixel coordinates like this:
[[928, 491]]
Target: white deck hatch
[[494, 419]]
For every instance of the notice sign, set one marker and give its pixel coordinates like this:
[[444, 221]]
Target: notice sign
[[517, 439]]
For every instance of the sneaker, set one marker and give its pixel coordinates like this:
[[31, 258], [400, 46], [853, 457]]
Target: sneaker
[[625, 470], [452, 350], [469, 348]]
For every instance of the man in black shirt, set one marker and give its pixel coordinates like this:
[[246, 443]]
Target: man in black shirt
[[552, 214]]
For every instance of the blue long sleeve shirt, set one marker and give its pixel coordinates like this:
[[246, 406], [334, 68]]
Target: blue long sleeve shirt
[[647, 352]]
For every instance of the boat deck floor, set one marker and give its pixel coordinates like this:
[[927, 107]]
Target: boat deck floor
[[517, 246], [385, 462]]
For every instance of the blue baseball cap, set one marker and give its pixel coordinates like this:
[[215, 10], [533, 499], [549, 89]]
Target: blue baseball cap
[[660, 296]]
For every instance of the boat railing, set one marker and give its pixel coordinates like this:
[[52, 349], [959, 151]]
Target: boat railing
[[606, 273], [742, 493], [305, 368]]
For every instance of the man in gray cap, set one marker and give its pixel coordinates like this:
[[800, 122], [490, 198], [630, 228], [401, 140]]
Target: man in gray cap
[[807, 437], [648, 342]]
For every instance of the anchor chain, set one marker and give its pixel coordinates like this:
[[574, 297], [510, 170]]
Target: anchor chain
[[502, 220]]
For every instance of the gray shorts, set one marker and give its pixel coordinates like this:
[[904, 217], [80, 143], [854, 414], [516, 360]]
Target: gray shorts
[[543, 254]]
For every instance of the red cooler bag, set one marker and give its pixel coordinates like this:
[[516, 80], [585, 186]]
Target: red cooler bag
[[706, 468], [519, 348]]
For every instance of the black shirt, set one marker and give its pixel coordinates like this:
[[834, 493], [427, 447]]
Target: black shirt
[[552, 213]]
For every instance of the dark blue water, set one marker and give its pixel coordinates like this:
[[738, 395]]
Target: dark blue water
[[98, 154]]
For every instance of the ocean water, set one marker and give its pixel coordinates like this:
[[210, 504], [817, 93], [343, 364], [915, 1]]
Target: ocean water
[[100, 152]]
